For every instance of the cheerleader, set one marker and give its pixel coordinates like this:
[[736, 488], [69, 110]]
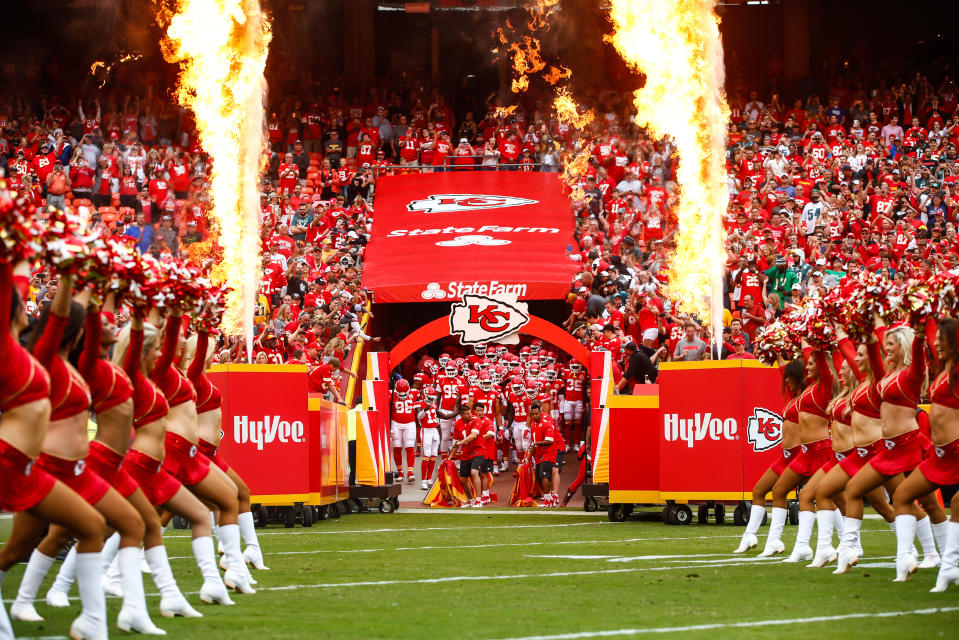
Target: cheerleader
[[939, 470], [184, 461], [65, 450], [139, 343], [792, 384], [112, 392], [199, 356], [28, 394], [814, 451], [900, 384]]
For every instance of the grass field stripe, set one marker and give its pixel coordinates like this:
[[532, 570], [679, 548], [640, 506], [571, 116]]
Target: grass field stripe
[[736, 625]]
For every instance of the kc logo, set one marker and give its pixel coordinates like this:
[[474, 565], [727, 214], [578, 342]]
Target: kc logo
[[764, 429], [79, 467], [481, 318], [450, 202], [465, 241]]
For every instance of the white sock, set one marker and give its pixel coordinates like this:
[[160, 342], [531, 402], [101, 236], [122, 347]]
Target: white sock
[[206, 559], [905, 532], [806, 520], [825, 522], [940, 531], [924, 533], [67, 573], [247, 529], [776, 524], [837, 521], [89, 569], [6, 631], [37, 568], [230, 536], [110, 547], [162, 573], [486, 493], [756, 515], [850, 532]]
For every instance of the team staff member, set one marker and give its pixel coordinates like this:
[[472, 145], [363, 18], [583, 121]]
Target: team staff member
[[488, 437], [640, 367], [546, 440], [466, 443]]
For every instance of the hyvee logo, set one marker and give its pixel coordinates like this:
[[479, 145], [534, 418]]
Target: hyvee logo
[[482, 319], [263, 432], [700, 427], [764, 429], [449, 202]]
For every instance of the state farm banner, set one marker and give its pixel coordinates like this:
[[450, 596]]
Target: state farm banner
[[720, 427], [440, 236]]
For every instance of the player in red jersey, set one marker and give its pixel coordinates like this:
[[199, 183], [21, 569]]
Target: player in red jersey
[[518, 410], [547, 442], [430, 424], [469, 450], [403, 428], [572, 412], [451, 389]]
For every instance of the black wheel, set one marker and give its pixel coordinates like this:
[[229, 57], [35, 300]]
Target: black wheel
[[289, 517], [720, 513], [739, 515], [765, 519], [334, 510], [702, 514], [354, 505], [322, 512], [259, 516], [396, 502], [793, 513], [386, 506], [668, 514], [682, 514], [308, 516], [618, 513], [179, 522], [590, 505]]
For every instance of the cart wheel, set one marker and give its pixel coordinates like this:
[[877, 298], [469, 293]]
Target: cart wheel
[[179, 522], [682, 514], [618, 512], [259, 516], [793, 513], [702, 514], [668, 514], [322, 512], [386, 506], [354, 505], [289, 517], [334, 510], [308, 516], [739, 515], [396, 502], [590, 505], [720, 512]]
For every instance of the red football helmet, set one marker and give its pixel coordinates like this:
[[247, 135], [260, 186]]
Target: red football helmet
[[575, 366], [535, 346], [534, 371], [444, 359], [419, 379], [485, 381], [479, 349], [402, 388], [432, 395], [533, 388], [516, 383], [524, 353]]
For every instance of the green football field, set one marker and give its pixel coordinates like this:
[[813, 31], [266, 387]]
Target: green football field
[[521, 574]]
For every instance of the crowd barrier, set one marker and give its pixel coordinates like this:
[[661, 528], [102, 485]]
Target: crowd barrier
[[704, 433]]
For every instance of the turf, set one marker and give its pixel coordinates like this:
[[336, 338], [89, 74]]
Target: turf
[[356, 577]]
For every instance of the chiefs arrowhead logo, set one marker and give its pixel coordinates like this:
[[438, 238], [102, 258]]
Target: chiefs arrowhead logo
[[450, 202], [483, 319], [764, 429]]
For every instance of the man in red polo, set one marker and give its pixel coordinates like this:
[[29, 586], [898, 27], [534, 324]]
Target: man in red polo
[[547, 443]]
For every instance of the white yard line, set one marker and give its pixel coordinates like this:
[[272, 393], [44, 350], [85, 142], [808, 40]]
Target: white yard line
[[736, 625]]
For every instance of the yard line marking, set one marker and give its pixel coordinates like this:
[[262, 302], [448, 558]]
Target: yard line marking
[[408, 530], [736, 625]]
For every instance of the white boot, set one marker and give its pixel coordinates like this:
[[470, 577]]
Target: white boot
[[940, 531], [133, 615], [109, 552], [774, 543], [172, 602], [949, 568], [906, 563], [224, 563], [6, 630], [92, 622], [927, 542], [235, 576], [848, 556], [801, 550], [825, 553], [838, 524], [37, 568], [59, 594], [112, 582], [252, 553], [213, 590], [144, 565], [756, 515]]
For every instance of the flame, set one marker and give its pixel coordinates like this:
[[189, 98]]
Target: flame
[[527, 60], [504, 112], [557, 73], [538, 12], [221, 47], [107, 68], [567, 111], [676, 44]]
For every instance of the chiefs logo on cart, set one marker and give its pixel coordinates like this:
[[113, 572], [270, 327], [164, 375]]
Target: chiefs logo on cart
[[451, 202], [764, 429], [483, 319]]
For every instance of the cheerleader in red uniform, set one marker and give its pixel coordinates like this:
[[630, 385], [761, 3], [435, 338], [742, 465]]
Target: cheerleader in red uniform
[[814, 452], [900, 384], [36, 496], [792, 384], [184, 461], [200, 350], [139, 342], [112, 392], [940, 469]]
